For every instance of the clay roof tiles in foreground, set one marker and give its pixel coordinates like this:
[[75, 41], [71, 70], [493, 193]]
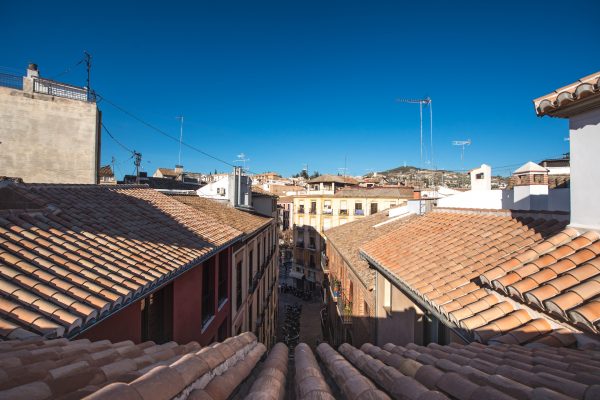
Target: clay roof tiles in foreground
[[82, 251], [348, 238], [439, 258], [240, 368], [240, 220]]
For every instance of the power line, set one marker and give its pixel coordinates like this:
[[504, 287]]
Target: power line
[[166, 134], [115, 139], [69, 69]]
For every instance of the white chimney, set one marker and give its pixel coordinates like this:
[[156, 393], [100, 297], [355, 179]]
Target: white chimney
[[481, 178], [530, 187]]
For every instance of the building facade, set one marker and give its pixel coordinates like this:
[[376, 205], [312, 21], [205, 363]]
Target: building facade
[[254, 273], [59, 139], [329, 204]]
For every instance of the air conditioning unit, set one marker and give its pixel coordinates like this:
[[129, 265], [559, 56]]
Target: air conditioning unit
[[221, 191]]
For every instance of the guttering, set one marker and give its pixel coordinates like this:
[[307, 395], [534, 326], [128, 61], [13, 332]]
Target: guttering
[[192, 264], [416, 299]]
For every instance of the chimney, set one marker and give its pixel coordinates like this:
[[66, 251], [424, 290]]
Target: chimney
[[179, 169], [32, 72], [530, 187], [481, 178]]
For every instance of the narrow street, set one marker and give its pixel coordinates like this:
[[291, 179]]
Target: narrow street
[[310, 319]]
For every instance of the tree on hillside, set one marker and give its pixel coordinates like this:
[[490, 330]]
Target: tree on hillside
[[316, 174]]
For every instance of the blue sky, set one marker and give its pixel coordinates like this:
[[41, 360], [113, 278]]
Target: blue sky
[[314, 82]]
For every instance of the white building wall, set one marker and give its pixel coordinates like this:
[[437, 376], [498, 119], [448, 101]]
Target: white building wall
[[585, 172]]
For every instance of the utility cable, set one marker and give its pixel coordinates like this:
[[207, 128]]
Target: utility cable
[[166, 134]]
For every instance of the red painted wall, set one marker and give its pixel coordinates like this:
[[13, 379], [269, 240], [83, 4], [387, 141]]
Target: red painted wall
[[187, 298], [124, 325], [187, 311]]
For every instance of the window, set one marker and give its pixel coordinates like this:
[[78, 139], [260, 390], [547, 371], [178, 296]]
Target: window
[[343, 207], [238, 285], [538, 178], [358, 210], [373, 208], [208, 290], [327, 207], [313, 207], [312, 243], [479, 175], [387, 296]]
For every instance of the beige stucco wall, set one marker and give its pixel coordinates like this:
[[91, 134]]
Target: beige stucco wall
[[403, 324], [46, 139]]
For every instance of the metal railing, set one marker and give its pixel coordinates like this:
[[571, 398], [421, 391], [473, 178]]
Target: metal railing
[[313, 211], [343, 212], [11, 81], [58, 89], [359, 212]]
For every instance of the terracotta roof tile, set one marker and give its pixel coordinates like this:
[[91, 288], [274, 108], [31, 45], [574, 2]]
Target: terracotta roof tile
[[443, 258], [241, 220], [348, 238], [91, 248]]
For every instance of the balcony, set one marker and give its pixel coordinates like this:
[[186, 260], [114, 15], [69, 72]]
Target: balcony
[[312, 246], [343, 212], [344, 307], [313, 211], [328, 211], [359, 212], [300, 210], [300, 244], [324, 262]]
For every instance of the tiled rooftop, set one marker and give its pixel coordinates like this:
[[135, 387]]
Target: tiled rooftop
[[240, 368], [240, 220], [560, 102], [559, 276], [78, 252], [445, 258], [348, 238]]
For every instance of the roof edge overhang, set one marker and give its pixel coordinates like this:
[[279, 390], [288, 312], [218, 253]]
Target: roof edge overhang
[[182, 270], [571, 109], [407, 290]]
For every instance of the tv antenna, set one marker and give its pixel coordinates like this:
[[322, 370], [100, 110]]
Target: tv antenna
[[463, 144], [423, 102], [241, 158], [180, 118]]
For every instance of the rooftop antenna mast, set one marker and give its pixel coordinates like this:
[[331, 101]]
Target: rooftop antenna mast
[[463, 144], [137, 160], [423, 102], [180, 118], [241, 158], [88, 66]]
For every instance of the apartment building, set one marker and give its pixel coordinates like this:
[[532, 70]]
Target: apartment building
[[255, 267], [332, 201]]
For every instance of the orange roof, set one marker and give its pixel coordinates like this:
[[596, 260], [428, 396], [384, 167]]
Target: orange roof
[[348, 238], [439, 258], [579, 96], [240, 220], [80, 251], [105, 170], [559, 276]]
